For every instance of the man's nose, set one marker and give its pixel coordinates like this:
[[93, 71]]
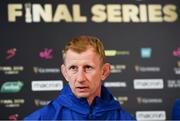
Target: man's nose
[[81, 77]]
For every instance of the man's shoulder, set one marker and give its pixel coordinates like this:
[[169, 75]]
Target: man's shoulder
[[46, 112]]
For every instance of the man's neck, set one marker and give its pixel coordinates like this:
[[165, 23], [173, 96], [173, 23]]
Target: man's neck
[[91, 98]]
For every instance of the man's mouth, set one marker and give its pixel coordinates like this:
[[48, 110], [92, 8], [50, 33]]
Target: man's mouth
[[82, 88]]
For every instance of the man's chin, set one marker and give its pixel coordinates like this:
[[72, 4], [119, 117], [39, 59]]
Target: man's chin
[[82, 95]]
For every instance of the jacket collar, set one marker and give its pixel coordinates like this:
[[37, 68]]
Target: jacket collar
[[100, 104]]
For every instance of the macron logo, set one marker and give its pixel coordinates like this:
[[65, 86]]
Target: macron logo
[[47, 85], [148, 84]]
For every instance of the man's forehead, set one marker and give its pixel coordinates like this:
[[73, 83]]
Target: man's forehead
[[88, 49], [88, 55]]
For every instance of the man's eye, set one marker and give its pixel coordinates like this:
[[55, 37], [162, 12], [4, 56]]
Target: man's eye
[[88, 68], [74, 68]]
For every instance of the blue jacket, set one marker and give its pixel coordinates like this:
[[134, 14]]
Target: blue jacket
[[68, 107], [176, 110]]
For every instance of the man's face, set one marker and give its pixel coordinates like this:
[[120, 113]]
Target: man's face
[[84, 72]]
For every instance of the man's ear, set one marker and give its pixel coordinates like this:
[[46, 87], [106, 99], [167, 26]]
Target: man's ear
[[63, 71], [106, 70]]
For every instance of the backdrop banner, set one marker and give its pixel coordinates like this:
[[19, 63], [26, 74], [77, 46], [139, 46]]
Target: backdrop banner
[[142, 44]]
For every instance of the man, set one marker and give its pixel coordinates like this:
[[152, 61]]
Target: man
[[84, 98]]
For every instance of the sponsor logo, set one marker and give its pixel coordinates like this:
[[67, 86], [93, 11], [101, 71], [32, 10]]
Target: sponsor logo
[[11, 87], [117, 68], [40, 70], [115, 84], [176, 52], [146, 52], [46, 54], [11, 70], [116, 52], [144, 100], [151, 115], [177, 70], [10, 53], [12, 103], [148, 84], [13, 117], [178, 63], [146, 68], [122, 99], [42, 85], [40, 103], [173, 83]]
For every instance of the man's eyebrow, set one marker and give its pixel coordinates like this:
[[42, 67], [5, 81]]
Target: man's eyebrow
[[88, 65], [71, 65]]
